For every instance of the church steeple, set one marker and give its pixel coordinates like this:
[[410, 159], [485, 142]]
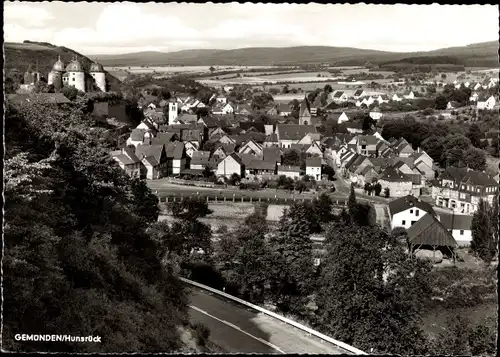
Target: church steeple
[[305, 112]]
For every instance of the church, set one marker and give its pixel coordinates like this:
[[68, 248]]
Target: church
[[74, 75]]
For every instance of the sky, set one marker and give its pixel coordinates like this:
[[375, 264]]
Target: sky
[[114, 28]]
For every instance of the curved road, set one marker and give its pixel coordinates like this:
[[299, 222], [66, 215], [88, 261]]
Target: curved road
[[238, 329]]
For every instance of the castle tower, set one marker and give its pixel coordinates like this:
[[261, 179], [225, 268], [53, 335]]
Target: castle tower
[[305, 112], [173, 111], [75, 75], [29, 78], [97, 72], [55, 76]]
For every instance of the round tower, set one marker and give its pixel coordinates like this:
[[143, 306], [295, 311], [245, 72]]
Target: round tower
[[55, 76], [97, 72], [76, 75]]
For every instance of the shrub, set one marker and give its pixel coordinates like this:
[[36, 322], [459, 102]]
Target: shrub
[[202, 334]]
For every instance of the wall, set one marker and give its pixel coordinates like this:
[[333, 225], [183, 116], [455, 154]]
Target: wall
[[407, 216]]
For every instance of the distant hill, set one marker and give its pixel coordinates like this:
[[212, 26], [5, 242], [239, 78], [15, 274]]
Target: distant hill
[[18, 56], [476, 55]]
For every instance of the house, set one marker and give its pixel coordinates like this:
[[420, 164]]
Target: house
[[231, 164], [271, 141], [128, 161], [488, 104], [460, 189], [313, 167], [314, 150], [200, 160], [221, 100], [424, 163], [310, 138], [359, 93], [339, 118], [289, 134], [243, 109], [284, 110], [139, 137], [368, 101], [474, 96], [408, 94], [154, 161], [459, 226], [399, 184], [226, 139], [195, 136], [429, 234], [375, 113], [366, 145], [176, 156], [260, 168], [406, 211], [191, 148], [339, 96], [272, 154], [383, 98], [223, 150], [223, 109], [251, 147], [402, 148], [289, 171], [272, 111], [477, 86], [366, 175], [396, 98]]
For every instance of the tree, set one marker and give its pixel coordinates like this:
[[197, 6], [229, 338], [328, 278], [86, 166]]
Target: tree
[[367, 123], [351, 204], [292, 158], [484, 240], [322, 208], [328, 88], [329, 171], [475, 135], [234, 179], [441, 102], [292, 268], [377, 188], [211, 69], [365, 275], [387, 192], [190, 208], [475, 159], [67, 197], [443, 76]]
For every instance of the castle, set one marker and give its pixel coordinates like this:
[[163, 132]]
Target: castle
[[74, 75]]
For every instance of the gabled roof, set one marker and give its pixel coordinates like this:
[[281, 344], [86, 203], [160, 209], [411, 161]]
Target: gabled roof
[[391, 174], [144, 151], [261, 165], [190, 135], [294, 132], [462, 222], [313, 162], [407, 202], [478, 178], [285, 168], [429, 231], [283, 107], [367, 140], [235, 158], [305, 108], [271, 154], [137, 134], [200, 158], [164, 138], [338, 94], [175, 150], [247, 158], [358, 92], [273, 138]]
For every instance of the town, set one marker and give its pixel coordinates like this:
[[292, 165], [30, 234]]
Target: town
[[320, 194]]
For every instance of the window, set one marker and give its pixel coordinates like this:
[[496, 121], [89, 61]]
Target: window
[[461, 232], [403, 222], [411, 211], [73, 79], [417, 212]]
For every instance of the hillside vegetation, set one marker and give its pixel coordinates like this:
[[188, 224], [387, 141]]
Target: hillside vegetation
[[476, 55], [19, 56]]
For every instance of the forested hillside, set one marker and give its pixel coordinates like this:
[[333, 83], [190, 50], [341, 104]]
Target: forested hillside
[[78, 259]]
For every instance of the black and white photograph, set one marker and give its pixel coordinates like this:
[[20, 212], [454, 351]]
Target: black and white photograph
[[249, 178]]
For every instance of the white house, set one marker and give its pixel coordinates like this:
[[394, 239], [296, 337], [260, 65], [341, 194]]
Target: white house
[[190, 148], [473, 97], [396, 98], [313, 167], [488, 104], [251, 147], [339, 96], [407, 210], [408, 95], [231, 164], [221, 100], [459, 226], [375, 114], [359, 93], [289, 171], [339, 117], [368, 101]]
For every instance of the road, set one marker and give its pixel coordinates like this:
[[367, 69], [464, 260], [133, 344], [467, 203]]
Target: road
[[238, 329]]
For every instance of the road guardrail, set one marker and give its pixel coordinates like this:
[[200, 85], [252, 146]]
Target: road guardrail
[[323, 337]]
